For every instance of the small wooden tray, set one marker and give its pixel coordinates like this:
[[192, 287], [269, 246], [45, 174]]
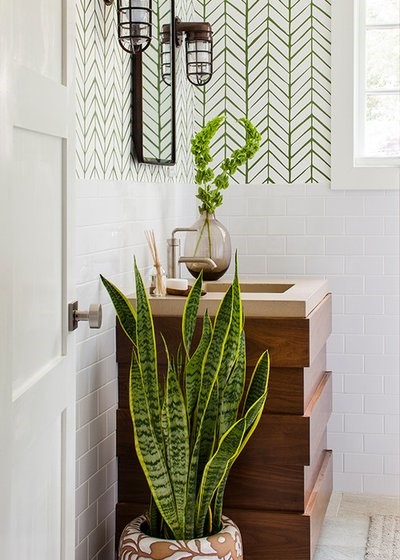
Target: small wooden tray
[[184, 293]]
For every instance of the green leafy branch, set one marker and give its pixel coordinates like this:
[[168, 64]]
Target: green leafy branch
[[210, 186]]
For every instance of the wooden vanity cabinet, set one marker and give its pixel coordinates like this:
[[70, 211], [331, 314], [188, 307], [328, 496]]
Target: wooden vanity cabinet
[[280, 486]]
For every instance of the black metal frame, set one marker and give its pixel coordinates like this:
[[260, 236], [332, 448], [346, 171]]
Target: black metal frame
[[209, 64], [133, 26], [193, 32], [137, 106]]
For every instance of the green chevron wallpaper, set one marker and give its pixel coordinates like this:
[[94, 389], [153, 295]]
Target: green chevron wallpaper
[[103, 102], [271, 64]]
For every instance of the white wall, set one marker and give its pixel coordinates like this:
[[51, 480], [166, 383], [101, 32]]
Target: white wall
[[351, 238], [111, 219]]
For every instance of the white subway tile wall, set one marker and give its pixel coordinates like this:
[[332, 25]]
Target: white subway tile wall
[[111, 219], [293, 230], [352, 239]]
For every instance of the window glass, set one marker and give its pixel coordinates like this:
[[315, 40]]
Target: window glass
[[365, 131], [383, 58], [382, 11], [379, 79], [382, 127]]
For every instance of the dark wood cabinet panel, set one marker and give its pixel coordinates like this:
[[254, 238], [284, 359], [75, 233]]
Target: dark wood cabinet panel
[[280, 486]]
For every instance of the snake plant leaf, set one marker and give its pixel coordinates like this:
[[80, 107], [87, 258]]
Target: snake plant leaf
[[147, 355], [192, 490], [201, 453], [164, 429], [209, 430], [125, 312], [251, 418], [209, 375], [233, 391], [256, 395], [154, 518], [187, 432], [192, 373], [190, 313], [232, 344], [258, 382], [216, 470], [177, 440], [218, 503], [228, 413], [213, 358], [149, 452]]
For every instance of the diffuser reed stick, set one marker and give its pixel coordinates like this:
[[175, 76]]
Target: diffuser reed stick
[[160, 282]]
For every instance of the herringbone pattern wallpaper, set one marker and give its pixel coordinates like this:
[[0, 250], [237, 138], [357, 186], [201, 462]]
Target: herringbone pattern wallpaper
[[103, 103], [271, 64]]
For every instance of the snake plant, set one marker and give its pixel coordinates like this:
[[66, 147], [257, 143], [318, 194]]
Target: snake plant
[[190, 429]]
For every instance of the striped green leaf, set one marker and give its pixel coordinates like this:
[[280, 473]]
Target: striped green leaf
[[216, 470], [213, 358], [177, 442], [209, 376], [272, 65], [231, 347], [192, 490], [187, 434], [208, 430], [256, 395], [125, 312], [147, 355], [233, 390], [259, 381], [218, 504], [252, 417], [149, 452], [190, 313], [154, 517], [193, 368]]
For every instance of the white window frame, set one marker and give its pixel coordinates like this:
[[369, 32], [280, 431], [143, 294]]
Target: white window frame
[[345, 173]]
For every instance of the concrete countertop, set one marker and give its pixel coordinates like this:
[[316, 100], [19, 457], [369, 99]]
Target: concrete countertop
[[261, 297]]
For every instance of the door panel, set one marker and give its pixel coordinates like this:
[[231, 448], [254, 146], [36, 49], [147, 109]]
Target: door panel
[[37, 352], [38, 525], [37, 265], [38, 36], [37, 102]]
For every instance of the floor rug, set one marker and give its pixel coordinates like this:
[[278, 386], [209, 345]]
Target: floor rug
[[383, 538]]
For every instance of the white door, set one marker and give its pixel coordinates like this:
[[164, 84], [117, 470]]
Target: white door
[[37, 378]]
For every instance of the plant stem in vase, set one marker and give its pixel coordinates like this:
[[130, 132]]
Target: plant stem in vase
[[210, 240], [217, 246]]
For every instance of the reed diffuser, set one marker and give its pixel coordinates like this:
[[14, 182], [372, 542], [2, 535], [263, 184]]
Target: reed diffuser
[[158, 287]]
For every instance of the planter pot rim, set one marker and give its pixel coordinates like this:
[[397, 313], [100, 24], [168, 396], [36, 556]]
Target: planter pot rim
[[137, 545]]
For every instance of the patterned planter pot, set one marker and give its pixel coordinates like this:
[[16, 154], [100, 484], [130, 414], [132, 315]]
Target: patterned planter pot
[[136, 545]]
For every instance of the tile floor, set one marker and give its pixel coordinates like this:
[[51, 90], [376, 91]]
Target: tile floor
[[345, 529]]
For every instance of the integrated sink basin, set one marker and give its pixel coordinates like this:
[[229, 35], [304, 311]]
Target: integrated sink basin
[[261, 298], [249, 287]]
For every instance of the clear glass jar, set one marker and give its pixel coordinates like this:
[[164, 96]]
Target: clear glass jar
[[158, 282]]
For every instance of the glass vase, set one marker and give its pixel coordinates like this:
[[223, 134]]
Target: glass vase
[[211, 244]]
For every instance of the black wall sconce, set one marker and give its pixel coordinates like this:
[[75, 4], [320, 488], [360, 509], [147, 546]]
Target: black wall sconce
[[134, 24], [199, 55], [153, 73]]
